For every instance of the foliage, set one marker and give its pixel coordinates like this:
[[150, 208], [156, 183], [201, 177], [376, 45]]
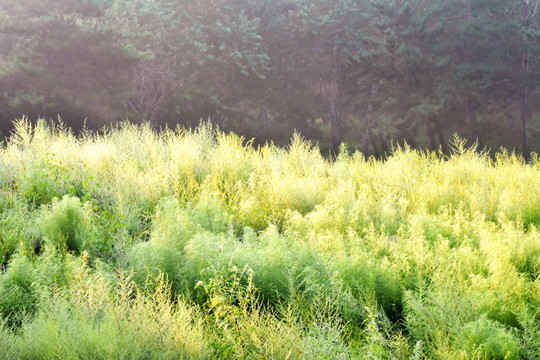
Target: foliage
[[64, 225], [489, 340], [364, 73], [195, 244]]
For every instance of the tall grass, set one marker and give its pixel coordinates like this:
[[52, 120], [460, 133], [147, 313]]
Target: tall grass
[[129, 243]]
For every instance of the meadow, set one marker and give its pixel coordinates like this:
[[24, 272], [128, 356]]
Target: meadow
[[130, 243]]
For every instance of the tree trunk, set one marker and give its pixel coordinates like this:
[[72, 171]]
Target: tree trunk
[[524, 96], [334, 121], [384, 145], [367, 131], [334, 125], [525, 115], [364, 146], [442, 140], [511, 122], [431, 135], [476, 127], [471, 106], [375, 147]]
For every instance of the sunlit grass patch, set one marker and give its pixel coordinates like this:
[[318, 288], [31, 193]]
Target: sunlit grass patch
[[195, 244]]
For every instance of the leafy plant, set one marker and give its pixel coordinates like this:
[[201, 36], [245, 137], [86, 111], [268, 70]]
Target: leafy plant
[[486, 338], [64, 224]]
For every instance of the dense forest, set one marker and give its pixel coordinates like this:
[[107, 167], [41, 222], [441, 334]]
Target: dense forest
[[365, 73]]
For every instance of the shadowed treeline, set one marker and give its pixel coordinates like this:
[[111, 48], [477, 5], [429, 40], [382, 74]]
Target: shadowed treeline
[[366, 73]]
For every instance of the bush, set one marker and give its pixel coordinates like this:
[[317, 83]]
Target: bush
[[26, 282], [415, 256], [97, 320], [17, 226], [324, 341], [485, 338], [64, 224], [18, 297]]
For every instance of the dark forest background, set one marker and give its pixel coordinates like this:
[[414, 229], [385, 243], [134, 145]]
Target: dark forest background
[[366, 73]]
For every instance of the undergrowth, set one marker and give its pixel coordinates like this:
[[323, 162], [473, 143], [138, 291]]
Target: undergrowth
[[193, 244]]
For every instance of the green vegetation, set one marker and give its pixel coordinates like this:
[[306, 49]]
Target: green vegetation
[[363, 72], [194, 244]]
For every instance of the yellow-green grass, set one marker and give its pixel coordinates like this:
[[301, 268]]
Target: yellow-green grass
[[133, 243]]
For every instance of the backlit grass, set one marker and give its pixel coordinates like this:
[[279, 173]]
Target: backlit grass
[[129, 243]]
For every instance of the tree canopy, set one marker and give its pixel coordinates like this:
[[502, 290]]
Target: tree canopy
[[366, 73]]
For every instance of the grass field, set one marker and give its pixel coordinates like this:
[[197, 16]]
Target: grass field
[[133, 244]]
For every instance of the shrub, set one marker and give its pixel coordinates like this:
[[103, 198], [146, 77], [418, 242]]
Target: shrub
[[421, 255], [485, 338], [324, 341], [64, 224], [17, 226], [171, 230], [26, 282], [18, 298], [95, 320]]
